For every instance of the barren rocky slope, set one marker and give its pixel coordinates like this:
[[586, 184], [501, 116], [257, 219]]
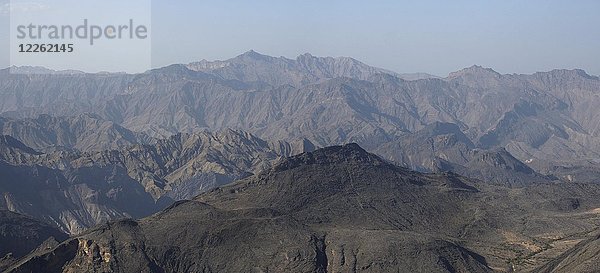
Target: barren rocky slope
[[337, 209], [279, 229], [582, 258]]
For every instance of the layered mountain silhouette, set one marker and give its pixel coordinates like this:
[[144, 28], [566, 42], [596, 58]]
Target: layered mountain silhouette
[[475, 172], [546, 118], [305, 69]]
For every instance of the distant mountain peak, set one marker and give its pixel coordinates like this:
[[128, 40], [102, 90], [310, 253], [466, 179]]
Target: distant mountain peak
[[306, 55], [306, 68], [474, 70], [251, 54]]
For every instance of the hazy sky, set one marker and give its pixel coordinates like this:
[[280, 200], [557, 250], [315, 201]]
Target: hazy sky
[[405, 36]]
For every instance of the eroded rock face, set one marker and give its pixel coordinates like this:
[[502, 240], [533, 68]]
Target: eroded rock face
[[75, 190], [73, 199]]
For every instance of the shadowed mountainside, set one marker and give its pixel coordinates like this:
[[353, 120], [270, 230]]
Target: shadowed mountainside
[[335, 209]]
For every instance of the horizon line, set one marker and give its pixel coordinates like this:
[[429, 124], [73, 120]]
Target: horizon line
[[77, 71]]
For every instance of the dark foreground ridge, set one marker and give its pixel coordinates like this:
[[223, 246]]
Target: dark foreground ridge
[[337, 209]]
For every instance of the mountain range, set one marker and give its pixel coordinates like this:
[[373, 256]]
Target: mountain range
[[541, 117], [474, 172]]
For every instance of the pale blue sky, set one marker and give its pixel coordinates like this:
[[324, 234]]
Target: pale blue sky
[[405, 36]]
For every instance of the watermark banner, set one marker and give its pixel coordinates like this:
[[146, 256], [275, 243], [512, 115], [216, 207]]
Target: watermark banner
[[69, 36], [4, 34]]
